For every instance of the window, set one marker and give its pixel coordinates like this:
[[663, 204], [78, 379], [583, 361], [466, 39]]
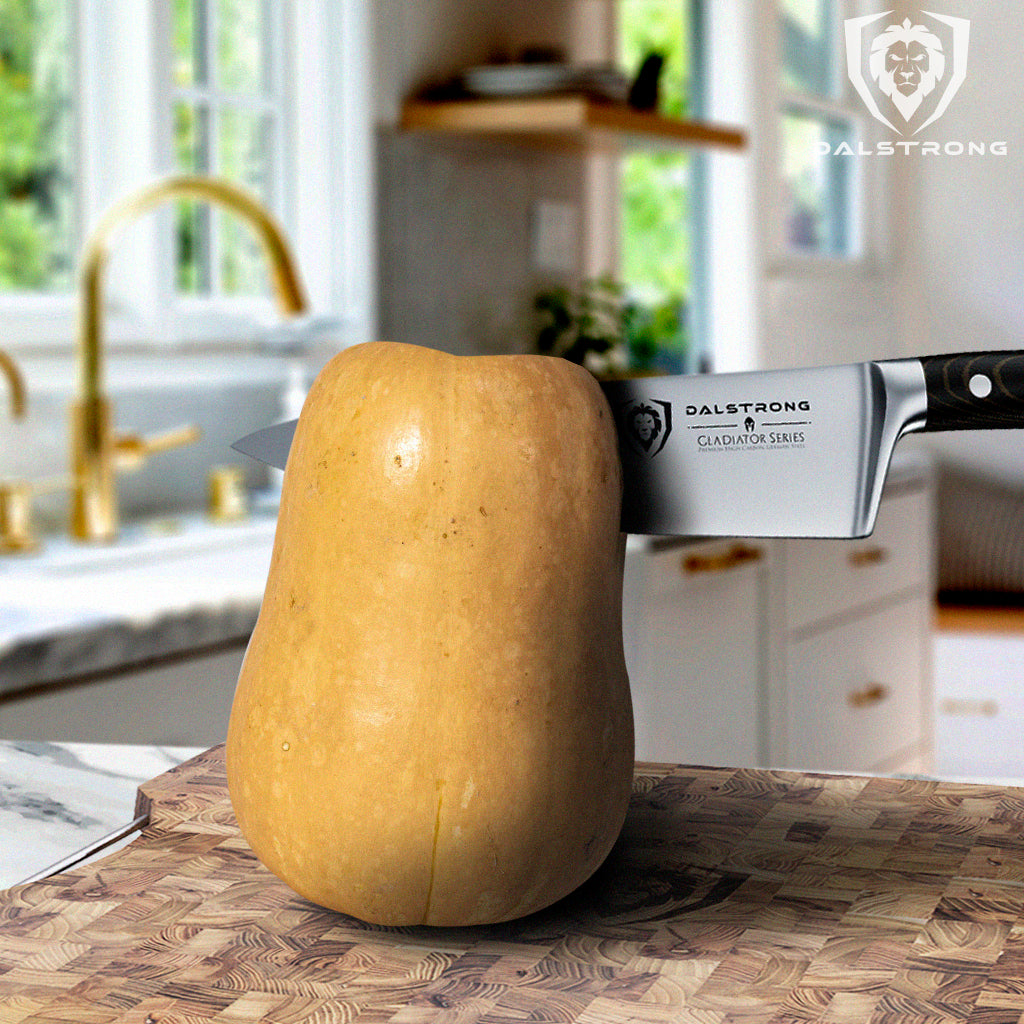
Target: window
[[96, 99], [819, 192], [226, 109], [38, 212], [661, 228]]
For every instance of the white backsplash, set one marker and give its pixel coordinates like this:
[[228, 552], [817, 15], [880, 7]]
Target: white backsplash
[[455, 267], [226, 397]]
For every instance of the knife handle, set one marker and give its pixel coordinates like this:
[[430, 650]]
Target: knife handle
[[974, 390]]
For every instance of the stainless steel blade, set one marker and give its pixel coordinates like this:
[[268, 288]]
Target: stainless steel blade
[[787, 453], [784, 453], [268, 444]]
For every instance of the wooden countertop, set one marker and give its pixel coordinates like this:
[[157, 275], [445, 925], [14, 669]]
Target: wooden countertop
[[732, 895], [1005, 619]]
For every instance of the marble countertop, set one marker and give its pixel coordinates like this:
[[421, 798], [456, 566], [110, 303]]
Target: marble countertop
[[58, 798], [164, 588]]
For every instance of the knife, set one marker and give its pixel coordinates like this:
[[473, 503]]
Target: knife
[[777, 453]]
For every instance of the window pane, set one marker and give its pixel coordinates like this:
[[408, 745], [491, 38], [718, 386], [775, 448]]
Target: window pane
[[225, 123], [37, 200], [657, 251], [241, 28], [817, 184], [188, 43], [808, 30], [657, 239], [244, 155], [193, 229]]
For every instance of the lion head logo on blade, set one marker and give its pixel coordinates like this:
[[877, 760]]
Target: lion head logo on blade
[[646, 424], [911, 69]]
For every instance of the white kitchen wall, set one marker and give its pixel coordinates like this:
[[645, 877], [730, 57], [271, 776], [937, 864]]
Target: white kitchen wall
[[454, 216], [961, 230], [455, 240]]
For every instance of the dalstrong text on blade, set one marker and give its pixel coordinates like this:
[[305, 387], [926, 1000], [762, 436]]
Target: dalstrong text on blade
[[735, 408]]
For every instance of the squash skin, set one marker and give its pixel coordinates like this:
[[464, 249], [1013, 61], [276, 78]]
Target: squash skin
[[432, 724]]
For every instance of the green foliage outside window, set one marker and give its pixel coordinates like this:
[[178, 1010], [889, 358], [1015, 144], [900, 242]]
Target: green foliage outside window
[[35, 186], [656, 244]]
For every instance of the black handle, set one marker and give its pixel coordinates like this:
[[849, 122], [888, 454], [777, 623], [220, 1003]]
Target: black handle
[[974, 390]]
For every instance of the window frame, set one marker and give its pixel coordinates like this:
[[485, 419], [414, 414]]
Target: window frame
[[699, 355], [870, 179], [275, 103], [123, 139]]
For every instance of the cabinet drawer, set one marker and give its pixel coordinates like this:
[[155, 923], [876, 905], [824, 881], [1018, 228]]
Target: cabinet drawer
[[676, 571], [979, 695], [695, 666], [828, 577], [855, 693]]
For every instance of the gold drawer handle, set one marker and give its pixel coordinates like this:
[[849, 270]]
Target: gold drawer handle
[[965, 706], [873, 693], [866, 557], [737, 555]]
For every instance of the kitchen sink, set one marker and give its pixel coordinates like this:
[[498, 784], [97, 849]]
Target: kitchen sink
[[147, 542]]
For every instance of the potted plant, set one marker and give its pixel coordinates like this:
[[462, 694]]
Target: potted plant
[[598, 327]]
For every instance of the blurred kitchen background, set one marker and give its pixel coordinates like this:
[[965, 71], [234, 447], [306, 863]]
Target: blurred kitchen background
[[490, 177]]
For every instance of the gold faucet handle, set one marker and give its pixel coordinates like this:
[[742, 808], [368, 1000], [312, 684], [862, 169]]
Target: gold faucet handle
[[17, 535], [132, 450], [17, 529]]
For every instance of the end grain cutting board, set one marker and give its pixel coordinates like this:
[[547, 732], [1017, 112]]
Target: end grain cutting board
[[732, 896]]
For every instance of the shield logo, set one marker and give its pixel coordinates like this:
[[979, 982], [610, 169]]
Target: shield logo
[[645, 425], [907, 72]]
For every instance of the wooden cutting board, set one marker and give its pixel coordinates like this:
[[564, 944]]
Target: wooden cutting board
[[732, 896]]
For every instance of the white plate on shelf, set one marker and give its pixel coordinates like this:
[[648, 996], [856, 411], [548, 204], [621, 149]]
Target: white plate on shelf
[[518, 79], [495, 80]]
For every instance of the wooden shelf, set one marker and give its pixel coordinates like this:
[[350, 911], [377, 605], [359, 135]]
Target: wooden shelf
[[565, 121]]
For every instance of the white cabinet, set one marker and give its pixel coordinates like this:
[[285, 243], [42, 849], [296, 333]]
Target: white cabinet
[[810, 654], [179, 702], [979, 692], [852, 667], [694, 646], [854, 693]]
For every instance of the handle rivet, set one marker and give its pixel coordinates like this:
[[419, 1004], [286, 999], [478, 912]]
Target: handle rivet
[[980, 385]]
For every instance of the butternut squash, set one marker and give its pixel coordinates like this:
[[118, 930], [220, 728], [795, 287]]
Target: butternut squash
[[432, 723]]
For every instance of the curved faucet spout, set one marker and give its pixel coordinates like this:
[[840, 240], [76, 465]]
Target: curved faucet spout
[[94, 511], [16, 383], [96, 250]]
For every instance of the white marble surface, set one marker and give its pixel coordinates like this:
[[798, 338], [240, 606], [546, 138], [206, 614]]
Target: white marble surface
[[57, 798], [164, 588]]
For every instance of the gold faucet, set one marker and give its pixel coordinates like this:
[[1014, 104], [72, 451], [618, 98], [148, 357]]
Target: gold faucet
[[95, 451], [15, 499], [17, 385]]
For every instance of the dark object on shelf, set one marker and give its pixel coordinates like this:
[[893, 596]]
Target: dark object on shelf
[[643, 95], [541, 54]]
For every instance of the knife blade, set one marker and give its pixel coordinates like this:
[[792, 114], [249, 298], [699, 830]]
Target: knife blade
[[776, 453]]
